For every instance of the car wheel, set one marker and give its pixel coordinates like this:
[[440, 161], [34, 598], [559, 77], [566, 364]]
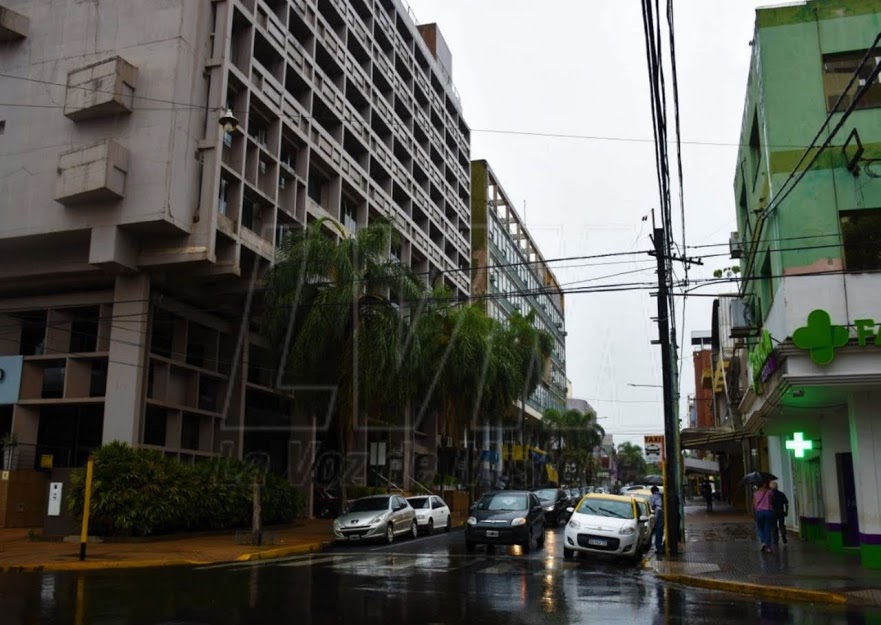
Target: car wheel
[[449, 525], [390, 534], [568, 553], [470, 546], [414, 529], [527, 546], [430, 529]]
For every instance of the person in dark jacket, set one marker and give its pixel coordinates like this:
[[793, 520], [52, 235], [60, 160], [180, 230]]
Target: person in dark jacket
[[780, 504], [707, 492]]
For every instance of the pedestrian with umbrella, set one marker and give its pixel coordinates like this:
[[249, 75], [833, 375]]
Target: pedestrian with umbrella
[[763, 506]]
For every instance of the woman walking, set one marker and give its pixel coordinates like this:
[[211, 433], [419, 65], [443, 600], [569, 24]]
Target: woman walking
[[763, 505]]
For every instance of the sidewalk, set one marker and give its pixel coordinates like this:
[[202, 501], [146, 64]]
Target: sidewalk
[[721, 552], [17, 553]]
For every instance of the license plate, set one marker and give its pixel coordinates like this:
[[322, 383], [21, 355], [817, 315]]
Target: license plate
[[354, 537], [597, 542], [492, 534]]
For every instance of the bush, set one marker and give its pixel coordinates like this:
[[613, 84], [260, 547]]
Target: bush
[[139, 492]]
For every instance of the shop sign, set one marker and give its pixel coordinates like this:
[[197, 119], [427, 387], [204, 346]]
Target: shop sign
[[820, 337], [798, 445], [762, 361]]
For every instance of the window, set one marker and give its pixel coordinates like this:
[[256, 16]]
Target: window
[[248, 213], [861, 238], [223, 199], [755, 148], [837, 70]]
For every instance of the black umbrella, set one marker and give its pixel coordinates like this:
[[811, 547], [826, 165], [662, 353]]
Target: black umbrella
[[758, 477], [653, 480]]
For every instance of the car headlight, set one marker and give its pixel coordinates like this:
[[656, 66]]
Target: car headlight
[[627, 530], [574, 524], [375, 519], [549, 508], [471, 521], [420, 516], [519, 521], [336, 523]]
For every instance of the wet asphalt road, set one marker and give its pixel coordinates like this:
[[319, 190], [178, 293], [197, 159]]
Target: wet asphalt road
[[424, 581]]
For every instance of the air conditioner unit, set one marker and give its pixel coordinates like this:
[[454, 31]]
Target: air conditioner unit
[[262, 167], [735, 246], [742, 323], [281, 182]]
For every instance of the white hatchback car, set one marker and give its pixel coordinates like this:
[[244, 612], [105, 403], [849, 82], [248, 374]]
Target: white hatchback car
[[609, 524], [431, 513]]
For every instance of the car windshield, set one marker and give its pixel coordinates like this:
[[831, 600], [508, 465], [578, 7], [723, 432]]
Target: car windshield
[[547, 494], [370, 504], [500, 503], [607, 507], [420, 503]]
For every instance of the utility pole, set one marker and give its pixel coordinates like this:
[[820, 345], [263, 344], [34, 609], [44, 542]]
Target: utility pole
[[672, 456]]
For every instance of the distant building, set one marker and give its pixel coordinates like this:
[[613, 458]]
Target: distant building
[[581, 405], [510, 275]]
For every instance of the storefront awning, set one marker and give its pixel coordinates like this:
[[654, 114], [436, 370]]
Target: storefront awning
[[709, 438]]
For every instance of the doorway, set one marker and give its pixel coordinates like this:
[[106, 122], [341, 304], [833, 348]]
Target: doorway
[[847, 500]]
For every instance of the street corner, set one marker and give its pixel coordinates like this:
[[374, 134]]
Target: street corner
[[283, 552], [779, 593]]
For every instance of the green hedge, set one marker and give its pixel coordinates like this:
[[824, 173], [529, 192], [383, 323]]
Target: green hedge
[[140, 492]]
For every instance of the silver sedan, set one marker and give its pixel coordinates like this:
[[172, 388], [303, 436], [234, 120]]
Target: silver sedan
[[380, 517]]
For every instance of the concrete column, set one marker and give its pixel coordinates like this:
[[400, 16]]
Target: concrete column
[[864, 411], [127, 370], [835, 437], [500, 437], [301, 458]]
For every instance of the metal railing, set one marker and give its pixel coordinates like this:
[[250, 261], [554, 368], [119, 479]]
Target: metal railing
[[29, 457]]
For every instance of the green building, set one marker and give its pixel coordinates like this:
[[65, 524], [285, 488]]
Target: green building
[[804, 380]]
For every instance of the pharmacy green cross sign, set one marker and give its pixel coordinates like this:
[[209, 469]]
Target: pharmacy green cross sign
[[820, 337], [798, 445]]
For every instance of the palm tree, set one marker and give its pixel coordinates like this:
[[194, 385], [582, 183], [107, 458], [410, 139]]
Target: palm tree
[[473, 370], [631, 462], [330, 311], [577, 435]]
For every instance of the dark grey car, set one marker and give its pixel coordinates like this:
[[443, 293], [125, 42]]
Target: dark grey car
[[508, 517]]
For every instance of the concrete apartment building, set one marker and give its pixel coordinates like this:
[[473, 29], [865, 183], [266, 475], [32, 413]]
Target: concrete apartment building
[[134, 227], [510, 275]]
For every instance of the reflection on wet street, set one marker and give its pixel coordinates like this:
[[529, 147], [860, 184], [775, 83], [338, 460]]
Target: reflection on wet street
[[430, 580]]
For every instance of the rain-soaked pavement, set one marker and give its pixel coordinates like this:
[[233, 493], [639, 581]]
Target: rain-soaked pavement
[[428, 580]]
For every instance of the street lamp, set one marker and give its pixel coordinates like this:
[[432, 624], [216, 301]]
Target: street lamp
[[645, 385], [229, 121]]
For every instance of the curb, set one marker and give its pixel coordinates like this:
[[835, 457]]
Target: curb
[[783, 593], [55, 567], [283, 552]]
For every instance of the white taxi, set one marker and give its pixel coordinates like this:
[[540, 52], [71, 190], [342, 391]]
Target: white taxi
[[609, 524]]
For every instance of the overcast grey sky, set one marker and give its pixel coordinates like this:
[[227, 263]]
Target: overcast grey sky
[[578, 67]]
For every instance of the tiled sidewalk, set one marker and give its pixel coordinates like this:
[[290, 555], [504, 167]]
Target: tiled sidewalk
[[17, 553], [721, 551]]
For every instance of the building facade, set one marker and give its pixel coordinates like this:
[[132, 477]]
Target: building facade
[[135, 228], [804, 378], [510, 276]]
